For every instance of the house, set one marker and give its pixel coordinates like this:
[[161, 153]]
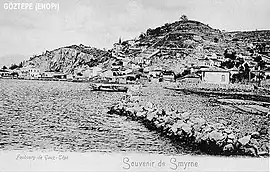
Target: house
[[120, 79], [33, 73], [23, 73], [47, 75], [215, 75], [190, 78], [4, 73], [215, 62], [96, 71], [91, 72], [87, 73], [168, 76], [205, 62], [210, 62], [155, 72], [107, 74], [60, 76]]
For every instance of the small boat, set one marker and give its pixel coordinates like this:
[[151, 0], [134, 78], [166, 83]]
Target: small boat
[[108, 87]]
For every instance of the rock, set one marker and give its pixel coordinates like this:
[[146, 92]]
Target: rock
[[229, 148], [198, 137], [190, 123], [179, 133], [255, 135], [197, 127], [166, 118], [254, 142], [231, 136], [250, 151], [150, 116], [263, 153], [204, 137], [187, 128], [174, 128], [162, 124], [230, 141], [131, 110], [215, 136], [167, 126], [220, 143], [244, 140], [228, 131]]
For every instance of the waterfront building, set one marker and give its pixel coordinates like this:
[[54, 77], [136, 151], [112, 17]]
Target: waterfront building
[[168, 76], [190, 78], [59, 75], [215, 75], [33, 73], [4, 73], [47, 75]]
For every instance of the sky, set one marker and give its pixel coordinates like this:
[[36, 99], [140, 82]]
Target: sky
[[100, 23]]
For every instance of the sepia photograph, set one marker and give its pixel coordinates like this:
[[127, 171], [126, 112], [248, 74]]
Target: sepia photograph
[[134, 85]]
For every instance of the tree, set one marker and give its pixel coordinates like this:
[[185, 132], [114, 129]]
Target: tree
[[4, 67], [13, 66], [20, 65], [231, 54], [260, 62], [228, 64], [184, 18]]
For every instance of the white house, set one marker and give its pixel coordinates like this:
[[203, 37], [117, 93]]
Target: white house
[[29, 72], [215, 75], [4, 73], [92, 72], [34, 73], [47, 74]]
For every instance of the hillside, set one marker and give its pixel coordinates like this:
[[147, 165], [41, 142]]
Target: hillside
[[174, 46], [184, 43], [69, 58]]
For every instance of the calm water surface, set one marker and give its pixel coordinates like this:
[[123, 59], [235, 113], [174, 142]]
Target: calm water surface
[[65, 116]]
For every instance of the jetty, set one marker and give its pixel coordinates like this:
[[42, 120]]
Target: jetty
[[190, 130]]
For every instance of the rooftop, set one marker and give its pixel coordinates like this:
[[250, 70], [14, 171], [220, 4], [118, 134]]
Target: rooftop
[[214, 69]]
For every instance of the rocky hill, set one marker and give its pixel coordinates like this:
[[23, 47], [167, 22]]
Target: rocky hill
[[69, 58], [183, 43], [175, 46]]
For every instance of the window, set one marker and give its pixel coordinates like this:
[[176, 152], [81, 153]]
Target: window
[[222, 78]]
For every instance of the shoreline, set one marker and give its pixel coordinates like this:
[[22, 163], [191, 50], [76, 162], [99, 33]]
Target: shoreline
[[190, 131]]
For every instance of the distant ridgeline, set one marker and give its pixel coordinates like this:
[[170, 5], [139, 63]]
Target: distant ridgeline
[[176, 46]]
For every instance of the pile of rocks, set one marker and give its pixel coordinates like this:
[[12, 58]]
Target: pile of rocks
[[193, 131]]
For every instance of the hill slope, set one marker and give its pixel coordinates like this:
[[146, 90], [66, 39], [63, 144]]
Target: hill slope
[[67, 59]]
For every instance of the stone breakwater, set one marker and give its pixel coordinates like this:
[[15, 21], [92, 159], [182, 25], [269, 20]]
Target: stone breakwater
[[183, 127]]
